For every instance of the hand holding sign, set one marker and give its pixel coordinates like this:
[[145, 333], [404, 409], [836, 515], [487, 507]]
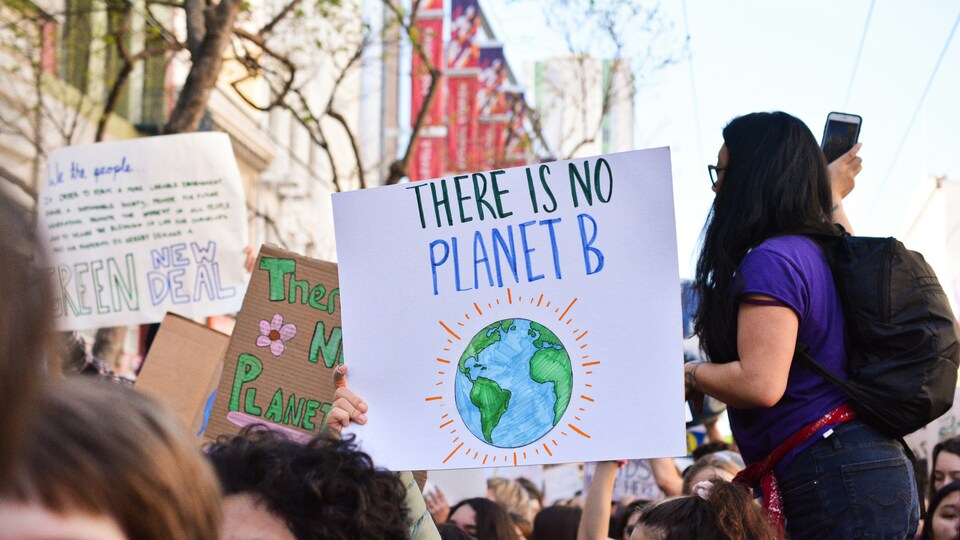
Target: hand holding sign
[[346, 405]]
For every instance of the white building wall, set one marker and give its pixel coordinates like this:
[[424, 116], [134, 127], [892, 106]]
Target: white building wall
[[569, 96], [935, 232]]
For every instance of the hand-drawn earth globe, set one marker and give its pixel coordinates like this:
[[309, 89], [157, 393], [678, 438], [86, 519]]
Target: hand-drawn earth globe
[[513, 383]]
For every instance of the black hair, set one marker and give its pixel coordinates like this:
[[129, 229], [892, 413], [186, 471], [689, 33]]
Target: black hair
[[950, 446], [449, 531], [557, 523], [618, 525], [324, 489], [775, 183], [938, 498], [493, 522]]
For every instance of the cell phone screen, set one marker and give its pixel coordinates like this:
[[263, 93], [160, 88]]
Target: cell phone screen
[[838, 138]]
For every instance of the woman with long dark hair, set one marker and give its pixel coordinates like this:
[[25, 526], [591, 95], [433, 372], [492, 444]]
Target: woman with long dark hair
[[764, 289]]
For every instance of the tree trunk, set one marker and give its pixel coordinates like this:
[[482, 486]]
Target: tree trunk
[[205, 68]]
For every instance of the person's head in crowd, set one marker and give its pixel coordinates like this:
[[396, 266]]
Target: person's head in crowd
[[512, 496], [718, 465], [102, 461], [482, 518], [536, 496], [945, 464], [557, 523], [716, 511], [626, 518], [943, 515], [279, 488], [449, 531], [710, 448], [26, 324]]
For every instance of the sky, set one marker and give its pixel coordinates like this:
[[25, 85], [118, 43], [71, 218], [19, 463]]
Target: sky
[[895, 63]]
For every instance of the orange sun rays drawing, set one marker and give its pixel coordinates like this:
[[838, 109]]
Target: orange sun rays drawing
[[500, 316]]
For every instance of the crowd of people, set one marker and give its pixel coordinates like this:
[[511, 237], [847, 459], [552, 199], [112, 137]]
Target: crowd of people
[[84, 457]]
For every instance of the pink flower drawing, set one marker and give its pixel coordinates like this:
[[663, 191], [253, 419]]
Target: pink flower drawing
[[274, 334]]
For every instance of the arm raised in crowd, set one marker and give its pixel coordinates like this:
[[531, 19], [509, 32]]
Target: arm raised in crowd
[[843, 172], [595, 522]]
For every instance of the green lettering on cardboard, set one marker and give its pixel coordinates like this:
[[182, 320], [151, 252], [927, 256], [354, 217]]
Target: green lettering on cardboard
[[328, 348], [325, 408], [316, 295], [250, 402], [249, 367], [300, 286], [278, 268], [294, 411], [310, 412], [275, 410]]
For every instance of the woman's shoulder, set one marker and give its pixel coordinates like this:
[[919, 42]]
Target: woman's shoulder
[[794, 247], [794, 253]]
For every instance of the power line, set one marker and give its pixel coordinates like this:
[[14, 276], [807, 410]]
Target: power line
[[856, 62], [916, 112]]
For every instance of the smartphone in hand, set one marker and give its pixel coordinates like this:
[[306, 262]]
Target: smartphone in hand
[[839, 134]]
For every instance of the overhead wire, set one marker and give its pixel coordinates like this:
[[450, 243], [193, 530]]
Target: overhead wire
[[856, 62], [913, 118]]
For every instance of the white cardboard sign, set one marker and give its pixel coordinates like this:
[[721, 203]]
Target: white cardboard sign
[[141, 227], [522, 316]]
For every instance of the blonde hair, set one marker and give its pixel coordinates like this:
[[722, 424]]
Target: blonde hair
[[97, 448], [512, 496], [725, 461]]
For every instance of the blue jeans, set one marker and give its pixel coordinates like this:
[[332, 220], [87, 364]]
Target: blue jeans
[[856, 483]]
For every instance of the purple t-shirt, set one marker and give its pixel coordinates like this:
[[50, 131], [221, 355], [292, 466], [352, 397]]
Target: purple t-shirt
[[793, 270]]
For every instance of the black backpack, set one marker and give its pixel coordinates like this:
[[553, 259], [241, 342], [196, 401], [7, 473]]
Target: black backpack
[[900, 331]]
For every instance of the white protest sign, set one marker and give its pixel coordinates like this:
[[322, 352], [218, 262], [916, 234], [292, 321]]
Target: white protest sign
[[141, 227], [457, 484], [561, 483], [522, 316], [634, 481]]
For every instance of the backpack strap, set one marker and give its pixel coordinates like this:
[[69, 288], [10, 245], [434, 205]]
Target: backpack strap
[[803, 354]]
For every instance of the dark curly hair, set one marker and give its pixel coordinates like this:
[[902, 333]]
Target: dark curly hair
[[325, 489], [729, 513]]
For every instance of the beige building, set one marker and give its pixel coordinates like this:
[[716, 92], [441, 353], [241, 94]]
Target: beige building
[[585, 105]]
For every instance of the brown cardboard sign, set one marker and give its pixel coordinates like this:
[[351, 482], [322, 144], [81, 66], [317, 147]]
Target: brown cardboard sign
[[287, 340], [183, 368]]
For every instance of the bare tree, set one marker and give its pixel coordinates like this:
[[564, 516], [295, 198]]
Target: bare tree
[[281, 45], [613, 46]]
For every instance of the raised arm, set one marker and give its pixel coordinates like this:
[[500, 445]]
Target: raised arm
[[595, 522], [843, 172]]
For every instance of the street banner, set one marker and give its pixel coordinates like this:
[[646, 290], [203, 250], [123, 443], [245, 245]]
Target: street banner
[[462, 147], [491, 100], [278, 369], [490, 133], [463, 51], [430, 29], [141, 227], [427, 159], [516, 317]]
